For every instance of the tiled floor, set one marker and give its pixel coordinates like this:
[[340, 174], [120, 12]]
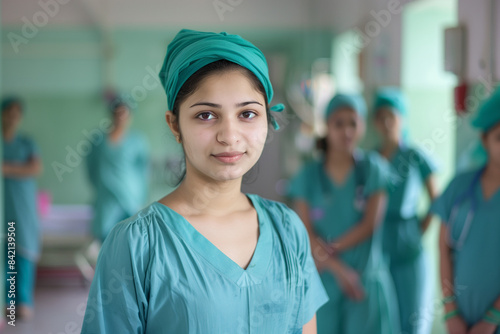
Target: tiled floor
[[59, 309]]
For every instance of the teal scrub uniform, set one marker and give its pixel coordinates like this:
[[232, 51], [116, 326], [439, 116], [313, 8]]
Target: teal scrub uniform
[[402, 239], [157, 274], [20, 205], [118, 173], [334, 210], [476, 269]]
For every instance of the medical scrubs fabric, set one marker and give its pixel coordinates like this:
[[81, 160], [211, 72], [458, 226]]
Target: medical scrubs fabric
[[157, 274], [402, 238], [20, 205], [118, 173], [333, 212], [476, 269]]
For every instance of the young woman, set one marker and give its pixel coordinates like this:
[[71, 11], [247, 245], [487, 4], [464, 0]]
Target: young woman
[[403, 230], [21, 164], [470, 237], [208, 258], [341, 200], [118, 171]]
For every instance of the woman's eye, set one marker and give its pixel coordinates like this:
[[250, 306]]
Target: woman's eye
[[248, 114], [205, 116]]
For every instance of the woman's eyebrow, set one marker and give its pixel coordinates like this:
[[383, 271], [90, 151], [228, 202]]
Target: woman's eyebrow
[[208, 104], [242, 104], [214, 105]]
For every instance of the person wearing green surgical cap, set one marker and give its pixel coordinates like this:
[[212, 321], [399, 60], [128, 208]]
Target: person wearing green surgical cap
[[403, 229], [21, 165], [469, 240], [207, 258], [117, 168], [341, 199]]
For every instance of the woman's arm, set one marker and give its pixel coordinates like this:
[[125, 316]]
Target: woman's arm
[[374, 211], [430, 185], [347, 278], [455, 324], [319, 249], [33, 167], [310, 327]]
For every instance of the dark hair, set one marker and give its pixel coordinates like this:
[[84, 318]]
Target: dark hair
[[322, 144], [9, 101], [193, 82]]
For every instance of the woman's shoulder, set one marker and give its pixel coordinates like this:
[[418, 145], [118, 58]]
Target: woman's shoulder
[[285, 220], [463, 179], [138, 226]]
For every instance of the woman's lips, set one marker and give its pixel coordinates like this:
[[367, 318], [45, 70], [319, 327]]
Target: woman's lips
[[228, 157]]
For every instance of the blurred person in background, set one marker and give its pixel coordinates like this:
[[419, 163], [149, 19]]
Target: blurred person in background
[[341, 199], [402, 228], [469, 241], [118, 171], [21, 164]]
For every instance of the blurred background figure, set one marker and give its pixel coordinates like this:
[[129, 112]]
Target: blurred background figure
[[21, 164], [403, 229], [469, 241], [118, 171], [341, 200]]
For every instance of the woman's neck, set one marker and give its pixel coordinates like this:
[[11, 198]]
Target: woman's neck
[[338, 159], [389, 146], [203, 196], [8, 133], [492, 172]]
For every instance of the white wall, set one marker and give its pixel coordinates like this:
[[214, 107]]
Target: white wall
[[477, 18]]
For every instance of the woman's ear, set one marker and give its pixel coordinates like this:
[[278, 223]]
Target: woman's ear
[[173, 124]]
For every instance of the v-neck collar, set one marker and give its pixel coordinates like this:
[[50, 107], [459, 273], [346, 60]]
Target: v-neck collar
[[480, 193], [331, 181], [256, 269]]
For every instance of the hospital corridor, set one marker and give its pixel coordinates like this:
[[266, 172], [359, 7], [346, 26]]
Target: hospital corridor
[[253, 167]]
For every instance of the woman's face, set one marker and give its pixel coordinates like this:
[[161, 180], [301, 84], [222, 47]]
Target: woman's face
[[491, 141], [121, 116], [345, 129], [388, 123], [11, 118], [222, 126]]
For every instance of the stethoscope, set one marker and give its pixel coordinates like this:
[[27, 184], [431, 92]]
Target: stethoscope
[[468, 194]]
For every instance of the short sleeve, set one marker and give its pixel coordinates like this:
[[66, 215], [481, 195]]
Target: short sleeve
[[314, 293], [379, 173], [118, 300], [298, 186], [426, 165]]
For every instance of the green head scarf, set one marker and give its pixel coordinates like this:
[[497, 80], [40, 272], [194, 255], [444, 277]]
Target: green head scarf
[[191, 50], [351, 101], [489, 113], [390, 97], [8, 101]]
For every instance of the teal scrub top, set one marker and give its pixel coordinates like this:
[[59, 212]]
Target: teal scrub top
[[119, 174], [157, 274], [20, 197], [402, 231], [476, 269], [334, 208]]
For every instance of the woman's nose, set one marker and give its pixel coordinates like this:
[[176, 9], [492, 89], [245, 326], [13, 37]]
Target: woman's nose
[[228, 132]]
